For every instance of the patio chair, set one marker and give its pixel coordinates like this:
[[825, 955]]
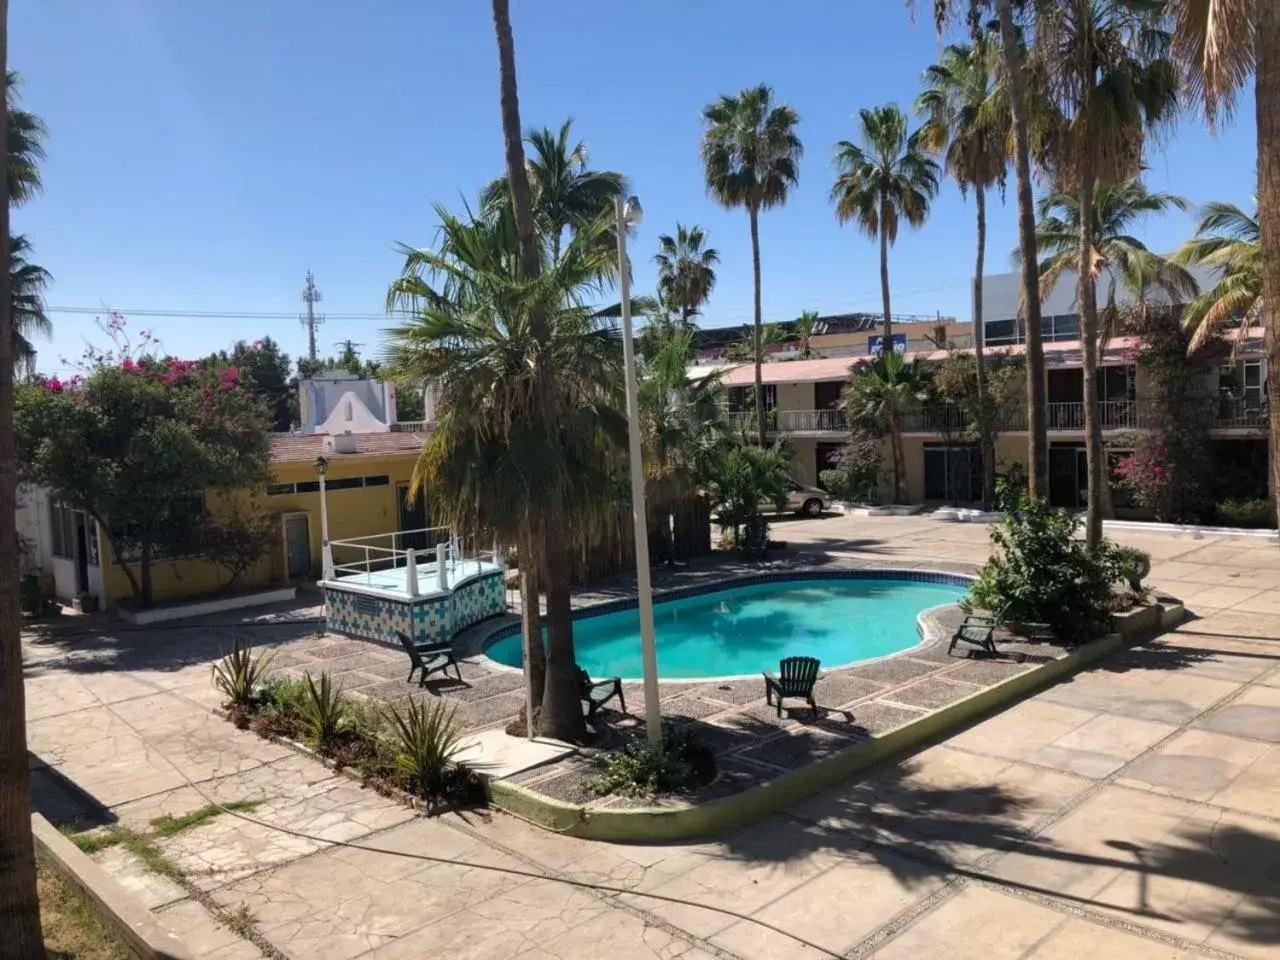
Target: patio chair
[[795, 678], [979, 630], [596, 693], [429, 658]]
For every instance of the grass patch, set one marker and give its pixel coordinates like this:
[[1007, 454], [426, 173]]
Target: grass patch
[[168, 826], [90, 842], [71, 930], [240, 920]]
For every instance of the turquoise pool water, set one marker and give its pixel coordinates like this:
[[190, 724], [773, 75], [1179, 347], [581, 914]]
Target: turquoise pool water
[[744, 630]]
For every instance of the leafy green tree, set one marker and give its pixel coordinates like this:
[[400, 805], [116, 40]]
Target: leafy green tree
[[964, 125], [566, 193], [1111, 82], [480, 328], [744, 350], [742, 477], [880, 393], [886, 179], [751, 158], [265, 372], [803, 331], [1117, 253], [1230, 241], [136, 447], [686, 271]]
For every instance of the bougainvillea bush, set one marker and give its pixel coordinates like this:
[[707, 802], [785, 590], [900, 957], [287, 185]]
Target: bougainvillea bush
[[137, 443]]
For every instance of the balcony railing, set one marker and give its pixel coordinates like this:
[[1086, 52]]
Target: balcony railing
[[1112, 415], [790, 421], [1237, 414]]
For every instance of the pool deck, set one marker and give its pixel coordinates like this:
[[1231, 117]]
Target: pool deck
[[392, 581]]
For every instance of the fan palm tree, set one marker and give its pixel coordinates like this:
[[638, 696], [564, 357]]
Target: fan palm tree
[[25, 145], [480, 329], [803, 330], [880, 393], [1230, 241], [26, 305], [751, 158], [686, 270], [1116, 251], [561, 713], [972, 138], [566, 194], [887, 178], [1220, 43], [1111, 82]]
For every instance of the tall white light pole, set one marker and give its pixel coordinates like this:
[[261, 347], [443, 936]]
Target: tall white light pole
[[326, 552], [629, 215]]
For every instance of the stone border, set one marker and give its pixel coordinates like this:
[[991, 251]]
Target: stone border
[[690, 821], [202, 607], [134, 926]]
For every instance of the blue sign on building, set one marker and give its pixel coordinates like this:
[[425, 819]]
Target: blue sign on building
[[875, 344]]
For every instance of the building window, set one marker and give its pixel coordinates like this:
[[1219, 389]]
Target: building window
[[279, 489], [1060, 326], [1000, 332], [91, 541], [381, 481], [63, 525], [313, 486], [1116, 383]]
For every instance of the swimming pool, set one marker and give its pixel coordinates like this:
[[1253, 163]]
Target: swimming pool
[[743, 630]]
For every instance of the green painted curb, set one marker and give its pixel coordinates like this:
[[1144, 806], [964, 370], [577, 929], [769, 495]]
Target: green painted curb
[[689, 821]]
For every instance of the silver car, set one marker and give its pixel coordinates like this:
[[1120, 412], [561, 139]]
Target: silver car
[[807, 501]]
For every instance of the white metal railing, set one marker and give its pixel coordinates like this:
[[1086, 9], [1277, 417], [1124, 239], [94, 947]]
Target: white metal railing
[[789, 421], [411, 426], [1112, 415], [441, 549], [1237, 413]]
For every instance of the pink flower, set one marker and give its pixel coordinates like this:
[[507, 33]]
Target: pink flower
[[53, 385]]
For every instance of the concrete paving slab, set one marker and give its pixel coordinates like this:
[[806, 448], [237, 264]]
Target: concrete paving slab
[[1198, 765], [494, 754], [977, 924], [1255, 714], [1099, 747]]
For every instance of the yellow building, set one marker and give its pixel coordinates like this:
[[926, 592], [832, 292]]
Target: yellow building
[[369, 459]]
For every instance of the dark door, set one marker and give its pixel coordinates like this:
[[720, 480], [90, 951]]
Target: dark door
[[1066, 386], [1068, 476], [826, 395], [413, 519], [952, 474], [297, 548]]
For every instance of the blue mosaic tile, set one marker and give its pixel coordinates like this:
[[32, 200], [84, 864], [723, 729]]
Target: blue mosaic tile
[[427, 620]]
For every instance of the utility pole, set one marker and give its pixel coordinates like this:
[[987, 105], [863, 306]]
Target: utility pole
[[311, 296]]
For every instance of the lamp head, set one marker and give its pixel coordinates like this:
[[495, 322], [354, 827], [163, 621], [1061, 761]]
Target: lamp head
[[321, 465], [632, 213]]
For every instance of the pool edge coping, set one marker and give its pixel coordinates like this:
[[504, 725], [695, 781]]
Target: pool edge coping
[[685, 821]]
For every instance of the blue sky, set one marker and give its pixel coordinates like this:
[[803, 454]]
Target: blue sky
[[203, 155]]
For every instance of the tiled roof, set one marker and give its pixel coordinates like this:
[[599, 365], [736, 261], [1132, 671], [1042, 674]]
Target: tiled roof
[[287, 447]]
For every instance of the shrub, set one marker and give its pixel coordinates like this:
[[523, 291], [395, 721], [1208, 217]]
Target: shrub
[[283, 695], [1246, 513], [427, 742], [240, 675], [322, 711], [643, 771], [1133, 566], [855, 475], [1040, 573]]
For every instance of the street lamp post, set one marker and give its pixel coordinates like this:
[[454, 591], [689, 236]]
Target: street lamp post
[[629, 215], [326, 553]]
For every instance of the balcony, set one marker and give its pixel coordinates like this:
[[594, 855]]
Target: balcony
[[1112, 415], [790, 421], [1241, 414]]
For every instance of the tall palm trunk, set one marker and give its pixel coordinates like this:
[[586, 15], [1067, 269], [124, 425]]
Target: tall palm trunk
[[1268, 99], [1087, 298], [561, 715], [19, 908], [535, 654], [761, 413], [899, 459], [1037, 427], [985, 441], [887, 346]]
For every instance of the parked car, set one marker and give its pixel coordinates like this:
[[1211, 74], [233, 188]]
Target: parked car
[[807, 501]]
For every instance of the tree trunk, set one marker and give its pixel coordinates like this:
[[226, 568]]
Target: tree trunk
[[144, 570], [1037, 436], [535, 653], [895, 443], [986, 440], [1088, 305], [561, 716], [19, 908], [884, 288], [761, 413], [1268, 100], [517, 175]]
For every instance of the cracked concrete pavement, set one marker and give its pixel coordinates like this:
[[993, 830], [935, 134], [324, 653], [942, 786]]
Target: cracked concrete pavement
[[1133, 811]]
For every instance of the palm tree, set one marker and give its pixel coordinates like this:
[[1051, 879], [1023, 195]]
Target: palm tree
[[561, 713], [491, 463], [751, 157], [1116, 251], [880, 394], [1219, 43], [19, 906], [1111, 82], [972, 138], [686, 270], [566, 194], [25, 145], [1230, 241], [886, 179], [26, 297], [804, 329]]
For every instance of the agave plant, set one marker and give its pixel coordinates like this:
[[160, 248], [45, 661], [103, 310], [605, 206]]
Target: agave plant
[[240, 675], [322, 710], [427, 745]]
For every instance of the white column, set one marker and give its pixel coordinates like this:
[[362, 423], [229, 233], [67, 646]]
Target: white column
[[326, 552], [411, 573], [442, 565]]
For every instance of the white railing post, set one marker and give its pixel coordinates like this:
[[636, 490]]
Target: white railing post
[[411, 573], [442, 566]]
